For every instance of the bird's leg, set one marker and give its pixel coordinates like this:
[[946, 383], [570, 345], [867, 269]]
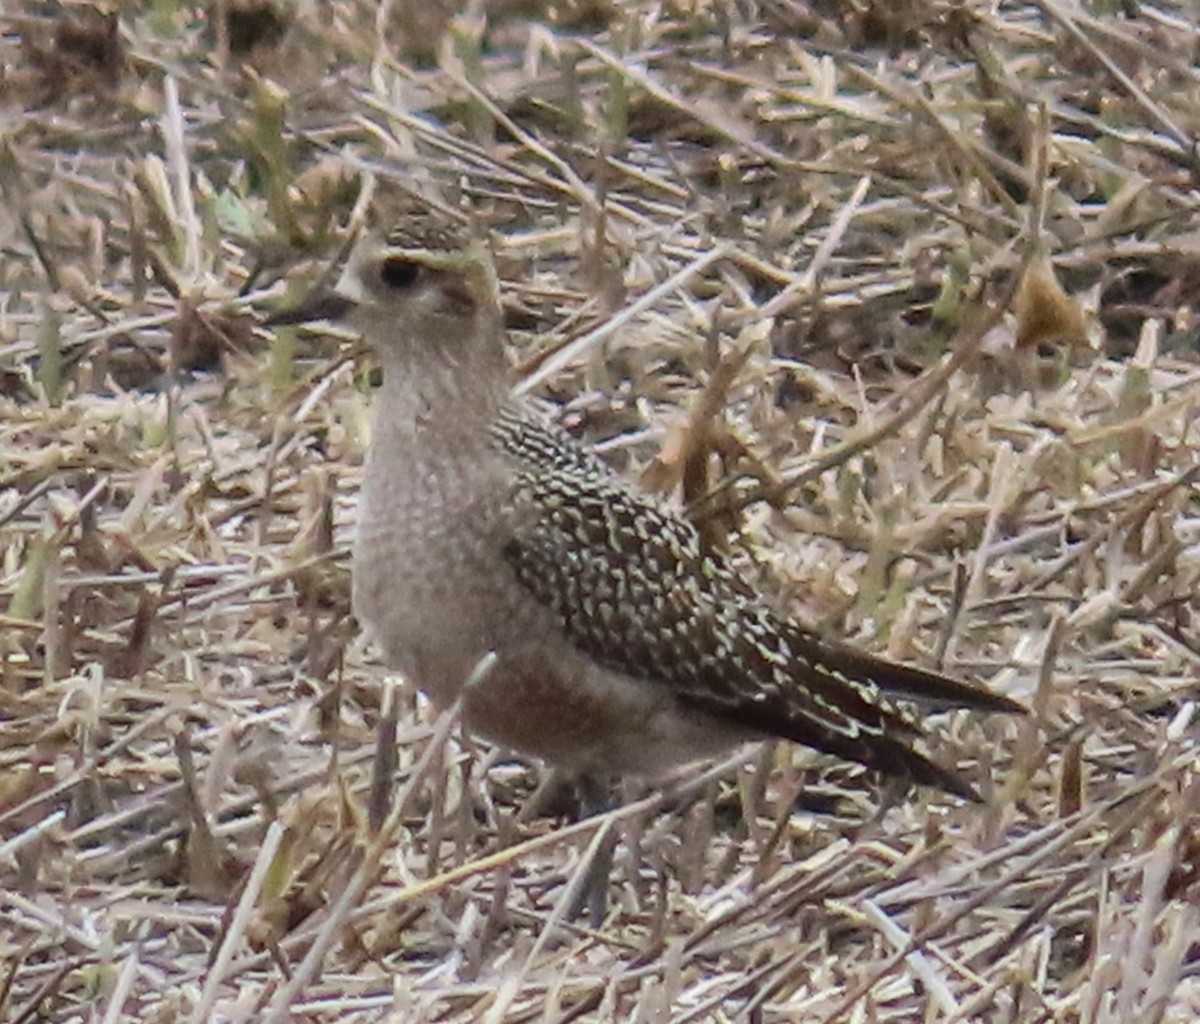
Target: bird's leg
[[586, 796], [556, 796], [595, 797]]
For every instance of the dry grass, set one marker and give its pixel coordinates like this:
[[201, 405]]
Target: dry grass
[[940, 386]]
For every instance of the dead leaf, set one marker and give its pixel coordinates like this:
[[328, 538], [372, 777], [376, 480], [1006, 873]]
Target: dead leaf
[[1047, 315]]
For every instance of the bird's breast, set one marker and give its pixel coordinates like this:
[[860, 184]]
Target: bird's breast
[[429, 580]]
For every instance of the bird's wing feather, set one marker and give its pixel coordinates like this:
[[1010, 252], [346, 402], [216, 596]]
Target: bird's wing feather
[[634, 590]]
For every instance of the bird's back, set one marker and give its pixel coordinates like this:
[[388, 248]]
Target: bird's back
[[632, 588]]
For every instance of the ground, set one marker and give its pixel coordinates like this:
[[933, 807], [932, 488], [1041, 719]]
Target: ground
[[919, 351]]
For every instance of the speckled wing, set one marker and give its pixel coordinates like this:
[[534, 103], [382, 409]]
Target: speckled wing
[[634, 591]]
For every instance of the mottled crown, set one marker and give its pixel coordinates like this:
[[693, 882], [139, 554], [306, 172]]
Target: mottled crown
[[428, 240], [424, 232]]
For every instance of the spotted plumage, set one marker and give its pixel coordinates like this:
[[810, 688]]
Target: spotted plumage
[[620, 644], [632, 587]]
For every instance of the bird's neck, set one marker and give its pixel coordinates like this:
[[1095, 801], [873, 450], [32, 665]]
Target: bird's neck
[[440, 409]]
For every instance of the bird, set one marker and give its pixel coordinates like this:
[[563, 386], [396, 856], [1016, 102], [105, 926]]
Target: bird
[[596, 630]]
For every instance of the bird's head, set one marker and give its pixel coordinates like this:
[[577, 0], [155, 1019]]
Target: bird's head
[[417, 298]]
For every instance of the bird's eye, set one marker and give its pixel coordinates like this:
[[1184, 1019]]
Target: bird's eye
[[398, 272]]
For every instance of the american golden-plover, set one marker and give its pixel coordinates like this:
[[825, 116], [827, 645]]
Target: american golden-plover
[[619, 646]]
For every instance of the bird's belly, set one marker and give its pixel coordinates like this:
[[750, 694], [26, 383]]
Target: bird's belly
[[556, 705], [436, 610]]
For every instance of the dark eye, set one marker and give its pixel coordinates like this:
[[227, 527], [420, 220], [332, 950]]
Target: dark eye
[[398, 272]]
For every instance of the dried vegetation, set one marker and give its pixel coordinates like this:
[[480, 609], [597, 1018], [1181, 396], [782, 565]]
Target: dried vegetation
[[926, 360]]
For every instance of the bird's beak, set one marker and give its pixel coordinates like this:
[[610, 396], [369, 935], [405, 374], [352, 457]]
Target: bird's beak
[[322, 304]]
